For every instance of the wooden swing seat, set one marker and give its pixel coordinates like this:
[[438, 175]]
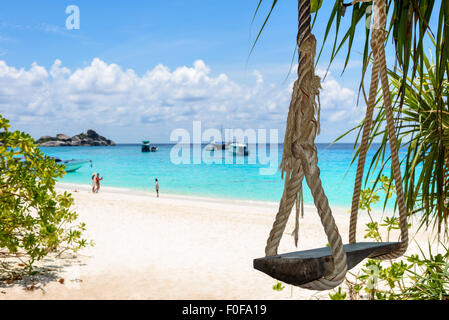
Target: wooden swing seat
[[300, 267]]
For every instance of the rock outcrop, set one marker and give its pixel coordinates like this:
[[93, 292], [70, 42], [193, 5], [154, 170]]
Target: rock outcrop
[[90, 138]]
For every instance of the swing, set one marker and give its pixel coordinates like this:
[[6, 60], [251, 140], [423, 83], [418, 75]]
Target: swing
[[325, 268]]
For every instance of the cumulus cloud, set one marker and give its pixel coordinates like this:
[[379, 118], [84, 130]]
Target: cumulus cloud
[[338, 103], [334, 96], [106, 95]]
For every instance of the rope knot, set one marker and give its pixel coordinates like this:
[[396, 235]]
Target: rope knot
[[308, 45], [316, 85]]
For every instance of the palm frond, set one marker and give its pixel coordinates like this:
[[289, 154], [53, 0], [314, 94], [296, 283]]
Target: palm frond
[[423, 132], [409, 21]]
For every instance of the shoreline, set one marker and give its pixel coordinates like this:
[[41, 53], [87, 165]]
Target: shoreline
[[175, 196]]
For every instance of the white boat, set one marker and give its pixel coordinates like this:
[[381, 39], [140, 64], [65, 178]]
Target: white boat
[[237, 148], [72, 165], [221, 145], [210, 147], [214, 146]]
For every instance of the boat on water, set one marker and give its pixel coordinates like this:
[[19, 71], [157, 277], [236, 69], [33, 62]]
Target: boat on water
[[237, 148], [73, 164], [220, 145], [210, 147], [147, 147], [214, 146]]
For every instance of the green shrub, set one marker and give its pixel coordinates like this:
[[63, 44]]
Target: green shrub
[[418, 277], [34, 219]]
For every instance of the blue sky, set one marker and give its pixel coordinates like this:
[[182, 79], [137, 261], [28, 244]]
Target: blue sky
[[140, 69]]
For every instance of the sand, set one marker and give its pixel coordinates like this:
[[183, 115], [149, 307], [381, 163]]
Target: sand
[[174, 247]]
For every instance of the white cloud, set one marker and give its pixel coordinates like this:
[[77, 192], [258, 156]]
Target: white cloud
[[338, 103], [258, 76], [102, 95], [333, 95], [337, 116]]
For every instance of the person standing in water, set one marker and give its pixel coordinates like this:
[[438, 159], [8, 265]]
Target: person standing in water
[[94, 182], [157, 188], [98, 179]]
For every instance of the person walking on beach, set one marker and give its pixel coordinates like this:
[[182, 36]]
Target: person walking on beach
[[94, 182], [97, 180], [157, 188]]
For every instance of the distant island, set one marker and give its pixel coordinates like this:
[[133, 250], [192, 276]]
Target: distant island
[[90, 138]]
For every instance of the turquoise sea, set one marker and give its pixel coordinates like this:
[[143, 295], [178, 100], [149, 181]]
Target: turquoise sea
[[125, 166]]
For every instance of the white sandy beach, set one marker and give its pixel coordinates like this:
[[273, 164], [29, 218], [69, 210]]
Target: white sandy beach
[[175, 247]]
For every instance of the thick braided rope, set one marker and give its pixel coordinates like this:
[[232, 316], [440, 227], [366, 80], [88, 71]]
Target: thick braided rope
[[300, 156], [306, 151], [290, 166], [380, 65], [365, 137], [394, 162], [291, 188]]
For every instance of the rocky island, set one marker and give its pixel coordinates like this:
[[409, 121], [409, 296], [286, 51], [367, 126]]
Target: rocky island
[[90, 138]]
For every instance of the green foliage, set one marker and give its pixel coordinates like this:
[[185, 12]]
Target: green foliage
[[422, 124], [372, 230], [367, 197], [431, 282], [391, 224], [264, 23], [421, 278], [35, 220], [339, 295], [278, 286], [417, 278], [420, 92], [408, 21], [315, 5]]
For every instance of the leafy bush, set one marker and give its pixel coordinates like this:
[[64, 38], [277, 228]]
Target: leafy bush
[[417, 277], [431, 281], [34, 219], [278, 286]]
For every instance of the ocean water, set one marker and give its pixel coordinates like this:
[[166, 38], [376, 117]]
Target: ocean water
[[125, 166]]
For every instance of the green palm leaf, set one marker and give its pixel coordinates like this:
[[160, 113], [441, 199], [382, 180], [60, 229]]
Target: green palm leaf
[[409, 21], [420, 92], [423, 131]]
